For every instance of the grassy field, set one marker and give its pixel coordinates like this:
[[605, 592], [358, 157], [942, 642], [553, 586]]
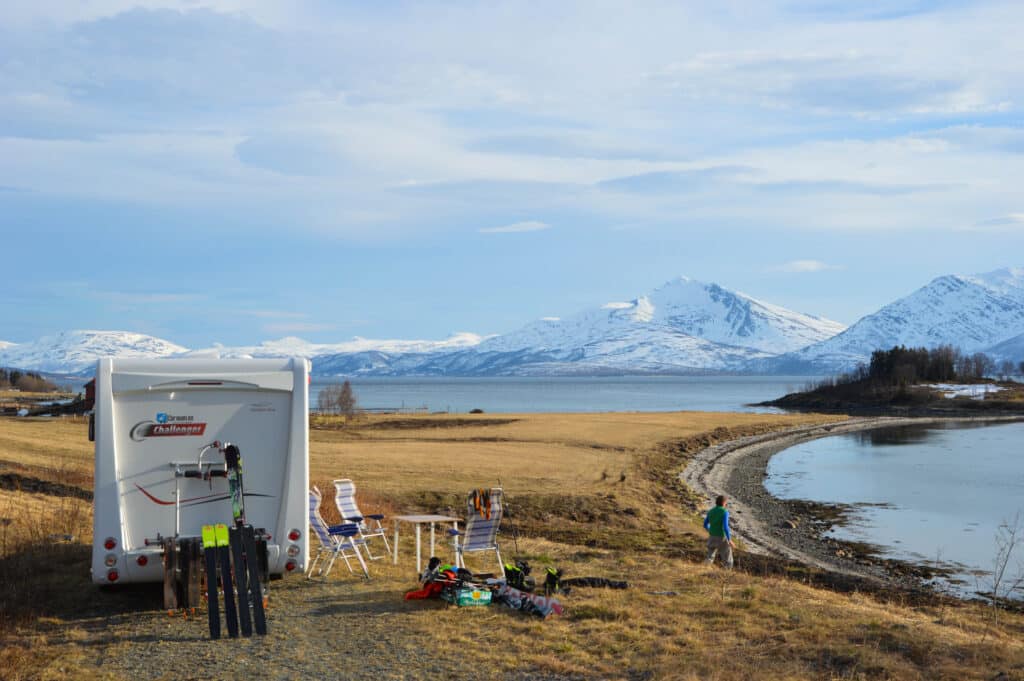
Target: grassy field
[[594, 494]]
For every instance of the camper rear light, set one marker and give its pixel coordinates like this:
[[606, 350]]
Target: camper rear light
[[110, 560], [142, 560], [109, 543], [294, 535], [289, 566], [293, 550], [112, 575]]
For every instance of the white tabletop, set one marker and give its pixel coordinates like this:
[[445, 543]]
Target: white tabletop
[[425, 518]]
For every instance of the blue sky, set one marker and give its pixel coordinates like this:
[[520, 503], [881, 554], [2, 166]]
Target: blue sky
[[232, 171]]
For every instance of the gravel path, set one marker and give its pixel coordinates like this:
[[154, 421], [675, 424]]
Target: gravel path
[[342, 628]]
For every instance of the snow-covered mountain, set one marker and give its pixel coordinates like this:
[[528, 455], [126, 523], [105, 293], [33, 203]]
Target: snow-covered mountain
[[683, 326], [1011, 349], [969, 312], [75, 352], [681, 308], [297, 347]]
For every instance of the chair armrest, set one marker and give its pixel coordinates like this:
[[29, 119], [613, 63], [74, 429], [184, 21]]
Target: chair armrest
[[355, 519], [375, 516], [344, 530], [452, 532]]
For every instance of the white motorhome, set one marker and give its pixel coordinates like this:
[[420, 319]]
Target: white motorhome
[[159, 478]]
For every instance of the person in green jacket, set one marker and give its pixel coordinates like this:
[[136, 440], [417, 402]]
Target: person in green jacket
[[716, 522]]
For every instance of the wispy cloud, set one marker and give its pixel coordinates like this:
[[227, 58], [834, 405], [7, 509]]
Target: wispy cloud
[[528, 226], [1008, 221], [142, 298], [296, 327], [274, 314], [801, 266]]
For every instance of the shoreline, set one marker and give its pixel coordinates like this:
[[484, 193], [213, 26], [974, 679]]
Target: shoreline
[[794, 529]]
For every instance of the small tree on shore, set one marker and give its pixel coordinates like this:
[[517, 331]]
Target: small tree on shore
[[337, 399], [347, 400]]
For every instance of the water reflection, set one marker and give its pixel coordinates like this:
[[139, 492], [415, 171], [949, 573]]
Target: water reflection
[[896, 435], [910, 434], [921, 491]]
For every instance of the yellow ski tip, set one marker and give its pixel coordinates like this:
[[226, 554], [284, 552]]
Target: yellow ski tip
[[209, 536], [221, 532]]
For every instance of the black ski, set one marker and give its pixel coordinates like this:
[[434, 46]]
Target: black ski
[[210, 552], [243, 548], [241, 580], [255, 586], [224, 556]]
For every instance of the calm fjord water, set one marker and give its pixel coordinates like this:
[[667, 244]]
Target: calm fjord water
[[571, 394], [921, 492]]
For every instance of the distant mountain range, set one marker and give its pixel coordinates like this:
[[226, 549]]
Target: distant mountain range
[[685, 326]]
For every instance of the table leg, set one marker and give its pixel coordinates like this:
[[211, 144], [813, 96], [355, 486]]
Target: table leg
[[418, 560], [432, 540], [394, 547]]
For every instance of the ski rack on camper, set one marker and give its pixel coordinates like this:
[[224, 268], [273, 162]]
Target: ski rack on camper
[[187, 559]]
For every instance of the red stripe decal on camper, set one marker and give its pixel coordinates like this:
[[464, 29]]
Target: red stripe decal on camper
[[203, 500], [171, 503]]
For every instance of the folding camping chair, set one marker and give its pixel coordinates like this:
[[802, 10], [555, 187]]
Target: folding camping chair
[[483, 517], [337, 540], [345, 500]]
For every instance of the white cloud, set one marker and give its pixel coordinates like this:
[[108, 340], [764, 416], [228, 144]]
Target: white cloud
[[799, 266], [273, 314], [297, 327], [551, 319], [334, 120], [1010, 221], [528, 226]]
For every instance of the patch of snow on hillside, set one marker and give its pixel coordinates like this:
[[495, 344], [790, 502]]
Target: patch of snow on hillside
[[976, 391], [644, 310]]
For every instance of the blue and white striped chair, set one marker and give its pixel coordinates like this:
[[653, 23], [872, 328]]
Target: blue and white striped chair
[[369, 525], [483, 519], [337, 540]]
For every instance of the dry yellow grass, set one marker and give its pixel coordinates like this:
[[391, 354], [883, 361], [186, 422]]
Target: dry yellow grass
[[49, 448], [715, 625], [529, 452]]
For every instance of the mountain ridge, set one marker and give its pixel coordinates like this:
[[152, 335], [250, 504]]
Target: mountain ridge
[[681, 327], [973, 313]]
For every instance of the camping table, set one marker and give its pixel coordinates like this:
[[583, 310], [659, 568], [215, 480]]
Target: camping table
[[419, 521]]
